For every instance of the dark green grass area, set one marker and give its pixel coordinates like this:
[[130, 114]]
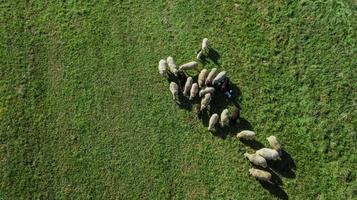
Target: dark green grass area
[[84, 113]]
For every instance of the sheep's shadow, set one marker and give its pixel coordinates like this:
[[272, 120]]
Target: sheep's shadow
[[212, 56], [285, 166], [275, 190]]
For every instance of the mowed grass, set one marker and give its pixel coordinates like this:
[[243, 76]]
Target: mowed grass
[[84, 113]]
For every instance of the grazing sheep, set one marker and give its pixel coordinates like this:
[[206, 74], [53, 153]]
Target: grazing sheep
[[260, 174], [224, 118], [268, 154], [174, 90], [205, 101], [172, 65], [211, 76], [274, 143], [256, 159], [212, 122], [163, 68], [199, 55], [194, 91], [247, 135], [202, 77], [206, 91], [188, 85], [235, 115], [205, 46], [219, 78], [190, 65]]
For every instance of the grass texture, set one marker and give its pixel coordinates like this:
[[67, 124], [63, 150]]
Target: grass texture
[[84, 113]]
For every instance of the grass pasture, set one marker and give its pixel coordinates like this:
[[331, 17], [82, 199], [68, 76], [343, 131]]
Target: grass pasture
[[84, 113]]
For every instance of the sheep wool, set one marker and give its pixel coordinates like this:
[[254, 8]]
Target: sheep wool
[[174, 90], [268, 154], [274, 143], [202, 77], [211, 76], [190, 65], [199, 55], [188, 85], [205, 101], [224, 118], [221, 76], [205, 46], [163, 68], [212, 122], [172, 65], [194, 91], [206, 91], [260, 174], [247, 135], [256, 159]]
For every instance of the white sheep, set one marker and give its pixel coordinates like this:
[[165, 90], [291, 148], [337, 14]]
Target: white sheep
[[211, 76], [205, 46], [172, 65], [247, 135], [199, 55], [206, 91], [202, 77], [205, 101], [188, 85], [212, 122], [163, 68], [221, 76], [174, 90], [194, 91], [274, 143], [190, 65], [256, 159], [260, 174], [268, 154], [225, 118]]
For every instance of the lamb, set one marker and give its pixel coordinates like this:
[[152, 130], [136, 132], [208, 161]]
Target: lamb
[[188, 85], [256, 159], [205, 46], [163, 68], [268, 154], [247, 135], [224, 118], [274, 143], [235, 115], [199, 55], [174, 90], [172, 65], [219, 78], [205, 101], [202, 77], [211, 76], [260, 174], [194, 91], [206, 91], [190, 65], [212, 122]]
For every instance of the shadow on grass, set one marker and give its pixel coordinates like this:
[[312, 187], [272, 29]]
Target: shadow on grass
[[275, 190], [212, 56], [285, 166]]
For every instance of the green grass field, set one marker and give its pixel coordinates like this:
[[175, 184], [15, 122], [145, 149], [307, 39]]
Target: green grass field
[[84, 113]]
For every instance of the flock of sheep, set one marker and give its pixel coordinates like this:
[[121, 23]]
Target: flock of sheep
[[208, 82]]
